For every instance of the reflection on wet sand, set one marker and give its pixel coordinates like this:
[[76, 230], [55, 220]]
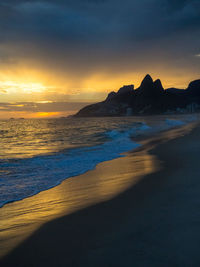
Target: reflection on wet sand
[[20, 219]]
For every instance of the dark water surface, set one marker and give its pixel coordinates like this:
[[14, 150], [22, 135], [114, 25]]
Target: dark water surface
[[38, 154]]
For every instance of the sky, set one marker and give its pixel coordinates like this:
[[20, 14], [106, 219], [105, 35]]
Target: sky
[[57, 56]]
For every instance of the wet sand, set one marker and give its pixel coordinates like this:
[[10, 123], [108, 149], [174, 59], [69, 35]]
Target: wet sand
[[140, 210]]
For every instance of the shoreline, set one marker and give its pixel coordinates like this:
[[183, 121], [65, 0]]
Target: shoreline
[[58, 201], [137, 139], [98, 208]]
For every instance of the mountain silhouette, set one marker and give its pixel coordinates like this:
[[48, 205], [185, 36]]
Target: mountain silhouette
[[149, 98]]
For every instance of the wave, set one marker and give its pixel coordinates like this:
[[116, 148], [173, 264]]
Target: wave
[[29, 176]]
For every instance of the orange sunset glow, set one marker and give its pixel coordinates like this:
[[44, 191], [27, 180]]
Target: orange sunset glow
[[99, 133], [44, 88], [51, 63]]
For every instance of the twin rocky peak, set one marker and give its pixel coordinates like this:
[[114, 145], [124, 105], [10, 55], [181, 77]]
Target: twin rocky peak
[[149, 98]]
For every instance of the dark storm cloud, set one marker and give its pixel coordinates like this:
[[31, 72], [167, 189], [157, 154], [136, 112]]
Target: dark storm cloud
[[178, 4], [68, 34], [91, 20]]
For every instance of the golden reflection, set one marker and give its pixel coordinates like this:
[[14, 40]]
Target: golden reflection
[[19, 219]]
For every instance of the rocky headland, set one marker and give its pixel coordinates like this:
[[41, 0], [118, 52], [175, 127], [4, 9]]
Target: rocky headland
[[150, 98]]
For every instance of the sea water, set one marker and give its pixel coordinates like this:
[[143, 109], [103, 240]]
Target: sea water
[[37, 154]]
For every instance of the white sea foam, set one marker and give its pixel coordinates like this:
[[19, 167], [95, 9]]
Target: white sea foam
[[28, 176], [36, 174]]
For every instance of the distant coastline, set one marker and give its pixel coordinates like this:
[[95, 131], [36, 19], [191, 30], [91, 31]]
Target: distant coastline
[[148, 99]]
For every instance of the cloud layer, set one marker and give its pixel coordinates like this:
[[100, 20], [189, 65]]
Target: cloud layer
[[79, 39]]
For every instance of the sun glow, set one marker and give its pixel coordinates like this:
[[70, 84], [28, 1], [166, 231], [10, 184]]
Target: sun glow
[[27, 88], [22, 83], [45, 114]]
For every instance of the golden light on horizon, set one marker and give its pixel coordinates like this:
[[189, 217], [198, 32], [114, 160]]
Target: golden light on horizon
[[45, 114], [24, 83], [94, 84], [31, 115]]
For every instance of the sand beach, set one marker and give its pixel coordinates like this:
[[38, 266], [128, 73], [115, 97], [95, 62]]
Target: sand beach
[[138, 210]]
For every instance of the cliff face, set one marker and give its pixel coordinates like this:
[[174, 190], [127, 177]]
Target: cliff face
[[149, 98], [194, 89]]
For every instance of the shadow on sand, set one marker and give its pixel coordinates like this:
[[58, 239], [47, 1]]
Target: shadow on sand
[[154, 223]]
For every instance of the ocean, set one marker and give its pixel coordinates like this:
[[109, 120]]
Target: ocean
[[38, 154]]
